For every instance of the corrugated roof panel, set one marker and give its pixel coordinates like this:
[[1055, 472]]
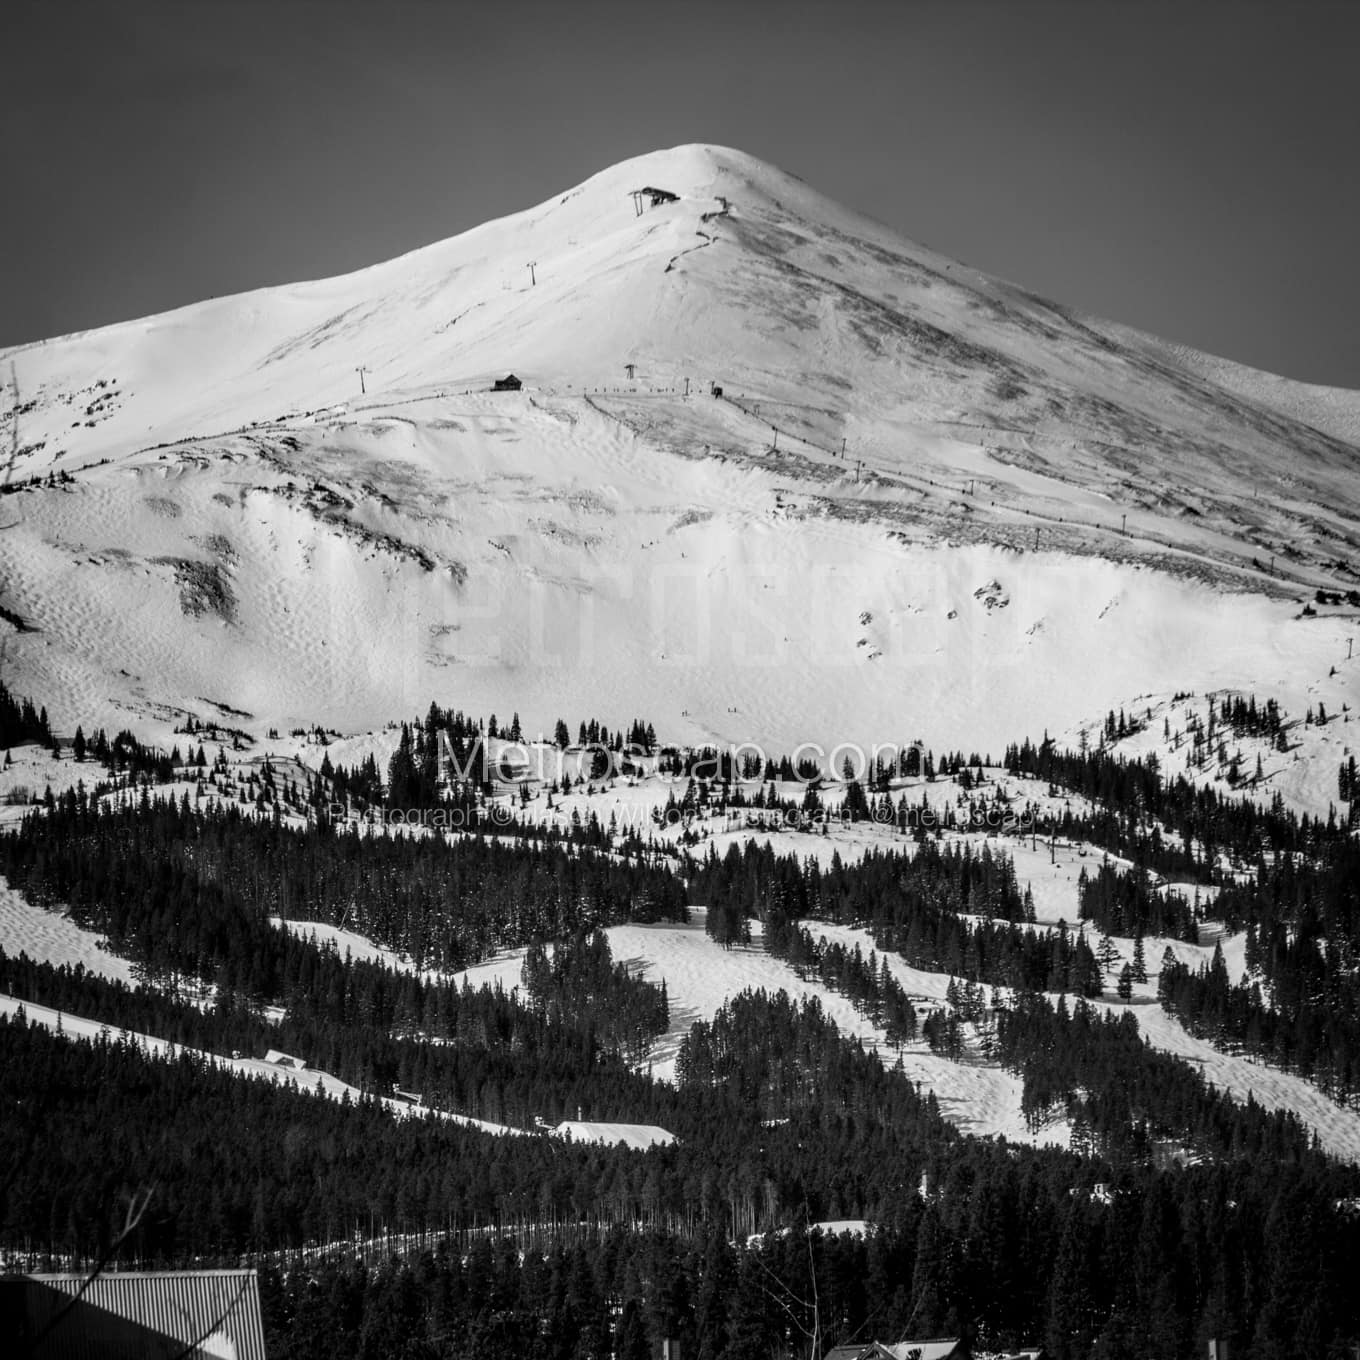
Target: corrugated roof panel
[[137, 1314]]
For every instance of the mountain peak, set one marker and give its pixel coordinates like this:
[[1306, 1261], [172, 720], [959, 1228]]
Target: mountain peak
[[300, 460]]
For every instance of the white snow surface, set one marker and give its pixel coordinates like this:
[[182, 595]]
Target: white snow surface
[[52, 937], [842, 1227], [637, 1136], [246, 528]]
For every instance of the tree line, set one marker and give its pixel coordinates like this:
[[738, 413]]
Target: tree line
[[192, 890], [21, 721]]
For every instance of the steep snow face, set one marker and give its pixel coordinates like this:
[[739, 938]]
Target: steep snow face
[[923, 493]]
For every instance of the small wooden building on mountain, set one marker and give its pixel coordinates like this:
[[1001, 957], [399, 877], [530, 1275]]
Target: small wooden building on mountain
[[655, 197], [509, 383], [511, 769], [281, 1059]]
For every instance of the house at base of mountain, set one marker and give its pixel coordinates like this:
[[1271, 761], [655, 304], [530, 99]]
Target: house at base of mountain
[[509, 383], [936, 1348], [134, 1315]]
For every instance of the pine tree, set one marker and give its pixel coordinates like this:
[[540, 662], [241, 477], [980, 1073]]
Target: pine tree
[[403, 782], [1167, 976], [1125, 984], [1140, 973], [1107, 954]]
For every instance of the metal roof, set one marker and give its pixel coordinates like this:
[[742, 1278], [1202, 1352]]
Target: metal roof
[[198, 1314]]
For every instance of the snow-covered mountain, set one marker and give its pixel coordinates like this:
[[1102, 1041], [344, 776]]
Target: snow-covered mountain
[[926, 502]]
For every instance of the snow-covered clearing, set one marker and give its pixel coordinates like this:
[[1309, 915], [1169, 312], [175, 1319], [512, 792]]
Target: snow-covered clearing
[[701, 976], [637, 1136], [51, 937], [831, 1227]]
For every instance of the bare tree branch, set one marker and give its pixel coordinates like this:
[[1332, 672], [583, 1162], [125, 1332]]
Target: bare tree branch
[[135, 1210], [214, 1325]]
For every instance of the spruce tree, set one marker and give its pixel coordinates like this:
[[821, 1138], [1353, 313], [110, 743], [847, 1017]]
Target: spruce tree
[[1125, 983], [1140, 973], [1107, 954]]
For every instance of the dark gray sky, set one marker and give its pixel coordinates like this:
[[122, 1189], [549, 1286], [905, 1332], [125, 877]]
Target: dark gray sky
[[1187, 168]]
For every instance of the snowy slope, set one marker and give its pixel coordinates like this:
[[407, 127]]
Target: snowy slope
[[1337, 1127], [1303, 774], [701, 976], [1333, 410], [306, 1079], [48, 937], [1033, 520], [350, 944]]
